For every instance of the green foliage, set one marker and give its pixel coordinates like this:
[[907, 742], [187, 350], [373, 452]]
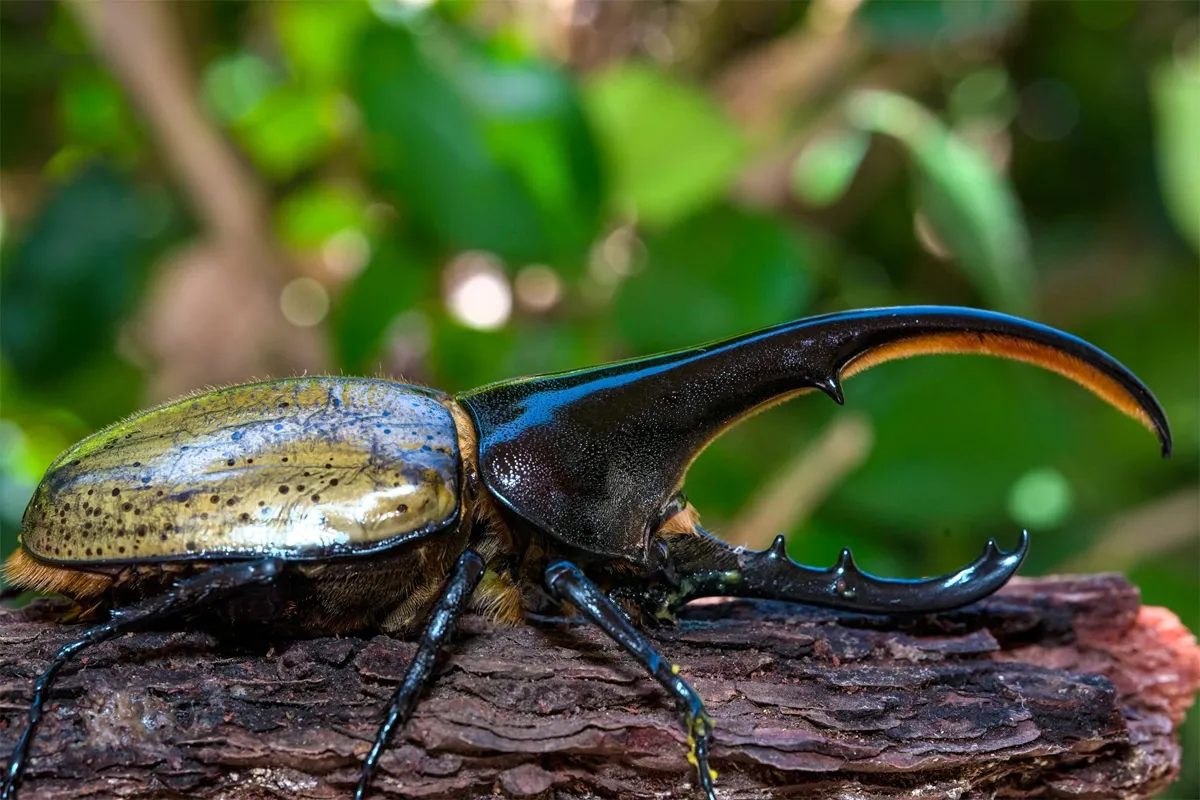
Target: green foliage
[[965, 200], [489, 153], [74, 275], [671, 149], [1032, 157], [692, 266]]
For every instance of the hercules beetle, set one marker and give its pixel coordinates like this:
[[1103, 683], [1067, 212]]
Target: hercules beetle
[[346, 504]]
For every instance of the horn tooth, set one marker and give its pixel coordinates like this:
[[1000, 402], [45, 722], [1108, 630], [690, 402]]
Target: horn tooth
[[778, 547], [832, 387], [991, 551], [845, 562]]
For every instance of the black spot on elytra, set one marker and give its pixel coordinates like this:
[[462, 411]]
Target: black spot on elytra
[[126, 506], [190, 546], [162, 537], [141, 530], [87, 526], [231, 501], [402, 508], [316, 498], [121, 549], [91, 491], [216, 498], [230, 462], [300, 487], [332, 481], [159, 493], [99, 551], [137, 463], [284, 405], [204, 515], [284, 489], [244, 517], [249, 460], [262, 502], [116, 492], [284, 459], [87, 552]]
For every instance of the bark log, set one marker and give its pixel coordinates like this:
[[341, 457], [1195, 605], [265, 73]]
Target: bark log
[[1057, 687]]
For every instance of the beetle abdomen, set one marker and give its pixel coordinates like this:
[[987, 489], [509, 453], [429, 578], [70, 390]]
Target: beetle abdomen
[[300, 468]]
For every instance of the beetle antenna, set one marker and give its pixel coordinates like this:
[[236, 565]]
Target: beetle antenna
[[712, 568]]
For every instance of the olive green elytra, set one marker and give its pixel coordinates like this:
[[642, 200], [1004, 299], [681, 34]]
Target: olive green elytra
[[296, 468]]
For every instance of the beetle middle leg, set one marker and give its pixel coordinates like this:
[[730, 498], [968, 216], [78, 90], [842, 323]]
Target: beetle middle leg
[[567, 582], [466, 576], [220, 581]]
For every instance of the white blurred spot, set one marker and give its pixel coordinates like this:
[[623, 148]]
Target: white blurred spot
[[538, 287], [477, 291], [304, 302], [346, 252], [616, 256]]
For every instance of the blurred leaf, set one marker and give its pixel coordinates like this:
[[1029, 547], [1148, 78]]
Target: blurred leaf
[[921, 22], [290, 130], [822, 173], [969, 204], [464, 358], [672, 149], [319, 37], [1176, 90], [74, 276], [307, 217], [393, 281], [93, 112], [234, 86], [717, 274], [490, 154]]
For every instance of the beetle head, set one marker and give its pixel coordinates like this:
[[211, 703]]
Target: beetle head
[[595, 458]]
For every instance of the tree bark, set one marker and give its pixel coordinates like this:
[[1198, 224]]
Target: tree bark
[[1056, 687]]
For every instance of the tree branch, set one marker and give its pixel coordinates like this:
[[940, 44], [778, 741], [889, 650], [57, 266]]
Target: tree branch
[[1060, 686]]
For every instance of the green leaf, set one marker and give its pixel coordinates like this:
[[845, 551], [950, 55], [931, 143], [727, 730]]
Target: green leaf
[[1175, 88], [74, 275], [489, 154], [715, 275], [822, 173], [968, 203], [290, 130], [319, 37], [916, 22], [307, 217], [233, 86], [394, 281], [672, 149]]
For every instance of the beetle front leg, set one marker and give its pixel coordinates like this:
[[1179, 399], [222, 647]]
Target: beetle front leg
[[209, 585], [450, 606], [567, 582]]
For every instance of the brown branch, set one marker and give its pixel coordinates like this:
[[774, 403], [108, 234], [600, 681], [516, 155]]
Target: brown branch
[[1056, 687]]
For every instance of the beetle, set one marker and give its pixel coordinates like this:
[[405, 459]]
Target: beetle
[[343, 504]]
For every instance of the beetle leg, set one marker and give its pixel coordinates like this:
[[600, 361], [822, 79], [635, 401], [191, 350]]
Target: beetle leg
[[211, 584], [566, 582], [450, 606]]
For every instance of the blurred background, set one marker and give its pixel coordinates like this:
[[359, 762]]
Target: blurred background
[[457, 192]]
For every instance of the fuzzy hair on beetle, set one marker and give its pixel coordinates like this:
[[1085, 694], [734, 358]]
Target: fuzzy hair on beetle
[[354, 504]]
